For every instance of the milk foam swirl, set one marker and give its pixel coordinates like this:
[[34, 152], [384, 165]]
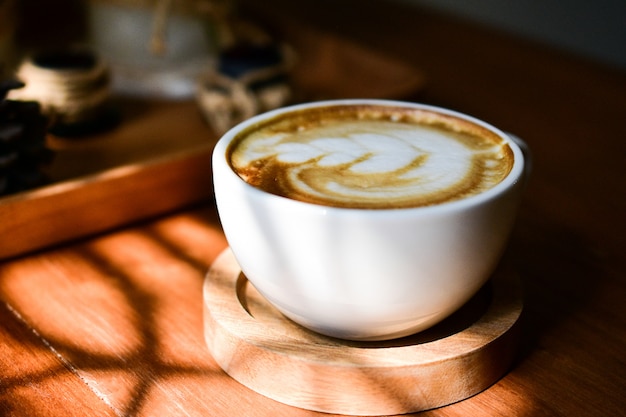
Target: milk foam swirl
[[370, 163]]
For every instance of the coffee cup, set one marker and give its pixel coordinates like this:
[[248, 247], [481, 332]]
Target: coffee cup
[[367, 219]]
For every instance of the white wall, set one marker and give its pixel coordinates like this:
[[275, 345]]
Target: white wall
[[592, 28]]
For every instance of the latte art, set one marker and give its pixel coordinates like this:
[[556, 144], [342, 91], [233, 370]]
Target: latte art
[[365, 159]]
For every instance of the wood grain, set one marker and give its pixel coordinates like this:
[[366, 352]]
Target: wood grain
[[34, 381]]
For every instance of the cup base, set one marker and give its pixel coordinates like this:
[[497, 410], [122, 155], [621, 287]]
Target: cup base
[[262, 349]]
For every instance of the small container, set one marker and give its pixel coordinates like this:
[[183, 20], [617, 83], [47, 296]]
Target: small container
[[247, 80], [72, 86]]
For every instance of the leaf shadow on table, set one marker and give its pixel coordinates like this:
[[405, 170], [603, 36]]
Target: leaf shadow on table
[[32, 378], [123, 313]]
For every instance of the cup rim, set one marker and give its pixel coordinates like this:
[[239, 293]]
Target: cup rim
[[515, 176]]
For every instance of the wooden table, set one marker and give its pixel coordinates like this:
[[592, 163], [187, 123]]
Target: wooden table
[[111, 325]]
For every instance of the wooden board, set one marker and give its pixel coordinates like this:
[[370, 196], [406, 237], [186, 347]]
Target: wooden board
[[275, 357], [156, 160]]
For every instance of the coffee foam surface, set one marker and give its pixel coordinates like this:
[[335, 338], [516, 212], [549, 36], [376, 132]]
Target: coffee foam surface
[[371, 159]]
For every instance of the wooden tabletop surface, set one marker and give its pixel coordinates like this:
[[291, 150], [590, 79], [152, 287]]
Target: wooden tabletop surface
[[111, 325]]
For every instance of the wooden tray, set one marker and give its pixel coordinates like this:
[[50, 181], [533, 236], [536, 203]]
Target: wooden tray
[[263, 350], [158, 158]]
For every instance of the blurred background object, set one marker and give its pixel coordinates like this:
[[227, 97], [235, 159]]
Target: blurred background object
[[23, 150], [248, 79], [156, 48], [72, 86]]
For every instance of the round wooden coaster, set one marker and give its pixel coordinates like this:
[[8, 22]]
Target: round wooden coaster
[[257, 346]]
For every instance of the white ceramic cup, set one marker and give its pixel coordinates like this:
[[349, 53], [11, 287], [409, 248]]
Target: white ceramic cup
[[365, 274]]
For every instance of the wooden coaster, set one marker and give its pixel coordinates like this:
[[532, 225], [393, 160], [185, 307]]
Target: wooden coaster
[[257, 346]]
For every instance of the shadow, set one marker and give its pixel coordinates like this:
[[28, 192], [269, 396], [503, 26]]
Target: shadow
[[559, 271], [463, 318], [140, 369], [460, 320]]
